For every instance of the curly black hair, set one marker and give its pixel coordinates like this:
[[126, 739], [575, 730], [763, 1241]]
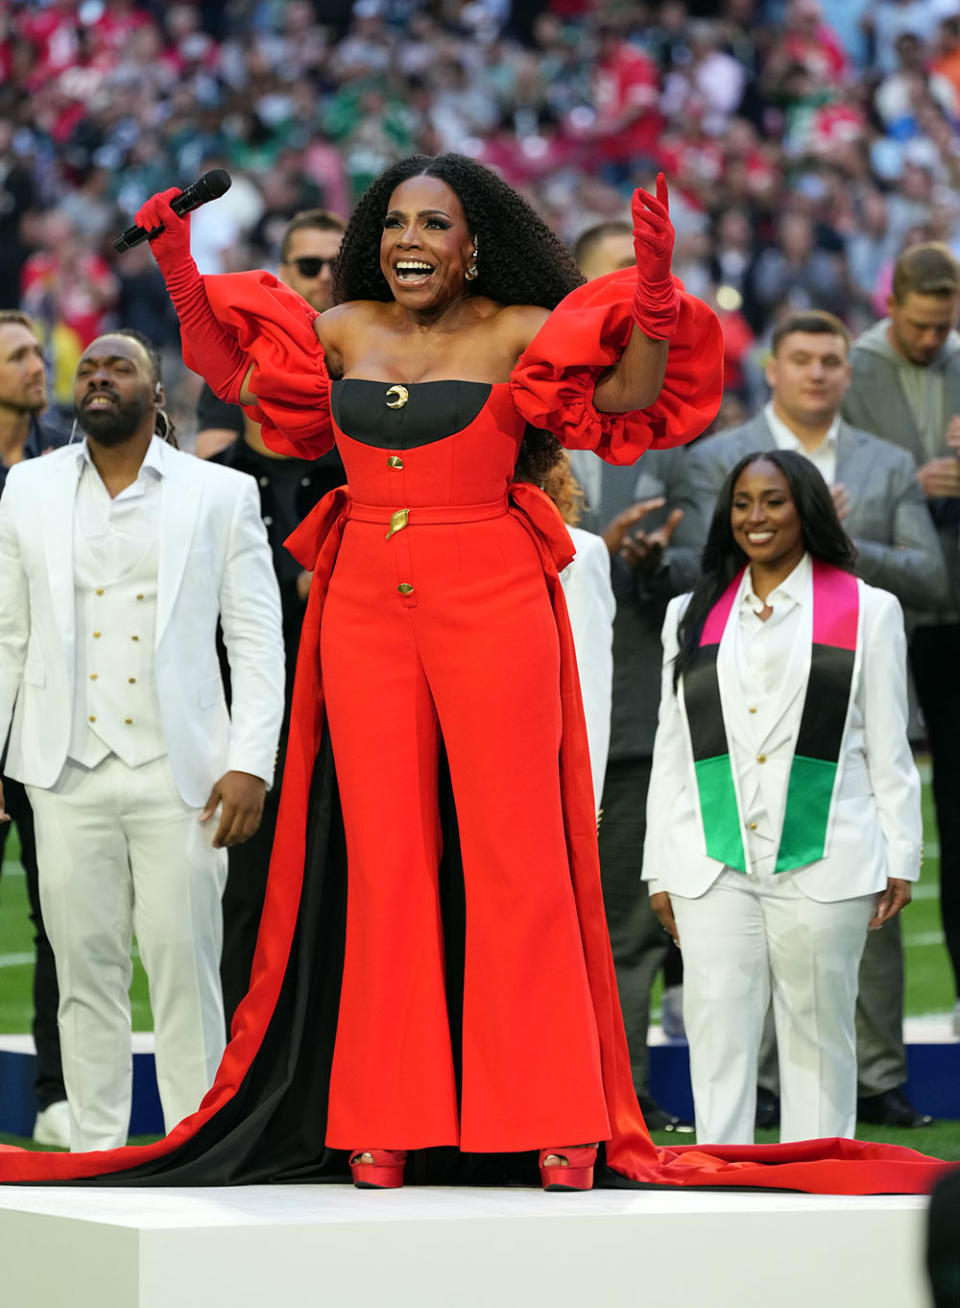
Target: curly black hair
[[520, 260]]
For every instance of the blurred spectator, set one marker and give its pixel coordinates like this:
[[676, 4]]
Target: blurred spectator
[[625, 93], [796, 270], [69, 289], [946, 60], [886, 20], [17, 197]]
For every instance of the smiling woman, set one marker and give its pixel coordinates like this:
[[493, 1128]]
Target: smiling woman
[[433, 972], [784, 812]]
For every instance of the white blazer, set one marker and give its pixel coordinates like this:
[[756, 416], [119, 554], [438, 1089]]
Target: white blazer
[[591, 606], [875, 827], [214, 561]]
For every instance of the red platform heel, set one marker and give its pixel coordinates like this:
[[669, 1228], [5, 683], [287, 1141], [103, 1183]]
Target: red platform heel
[[573, 1172], [383, 1172]]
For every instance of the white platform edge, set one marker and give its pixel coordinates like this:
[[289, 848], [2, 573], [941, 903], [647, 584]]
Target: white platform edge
[[259, 1246]]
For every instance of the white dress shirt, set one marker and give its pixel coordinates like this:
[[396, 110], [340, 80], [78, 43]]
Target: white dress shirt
[[823, 458], [591, 607], [763, 653], [116, 709]]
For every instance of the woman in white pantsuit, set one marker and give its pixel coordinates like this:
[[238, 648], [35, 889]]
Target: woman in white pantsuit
[[783, 818]]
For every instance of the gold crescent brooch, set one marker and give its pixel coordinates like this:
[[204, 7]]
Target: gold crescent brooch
[[397, 397]]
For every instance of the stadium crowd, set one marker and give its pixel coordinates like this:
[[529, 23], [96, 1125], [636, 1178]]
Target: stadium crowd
[[803, 149]]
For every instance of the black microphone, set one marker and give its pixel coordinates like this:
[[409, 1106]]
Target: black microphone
[[208, 187]]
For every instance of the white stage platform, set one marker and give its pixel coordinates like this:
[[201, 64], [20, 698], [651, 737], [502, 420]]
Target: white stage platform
[[267, 1246]]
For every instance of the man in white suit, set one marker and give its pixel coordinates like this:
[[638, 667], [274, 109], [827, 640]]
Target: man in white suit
[[118, 555]]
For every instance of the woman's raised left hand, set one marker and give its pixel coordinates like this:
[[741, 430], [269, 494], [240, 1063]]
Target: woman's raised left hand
[[656, 301], [889, 903], [653, 234]]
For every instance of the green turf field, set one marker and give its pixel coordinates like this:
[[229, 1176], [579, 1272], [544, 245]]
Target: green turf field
[[929, 981]]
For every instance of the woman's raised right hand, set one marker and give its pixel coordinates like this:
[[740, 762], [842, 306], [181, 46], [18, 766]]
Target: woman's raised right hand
[[173, 243]]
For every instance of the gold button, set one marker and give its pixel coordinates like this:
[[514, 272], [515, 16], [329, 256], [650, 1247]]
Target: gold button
[[96, 635], [753, 826], [128, 721], [132, 680], [398, 521], [93, 717], [134, 637], [752, 709], [93, 676], [139, 597], [761, 758], [99, 590], [405, 588], [397, 397], [394, 461]]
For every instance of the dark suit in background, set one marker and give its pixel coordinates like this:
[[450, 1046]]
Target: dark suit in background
[[289, 488], [48, 1083], [639, 942], [876, 400]]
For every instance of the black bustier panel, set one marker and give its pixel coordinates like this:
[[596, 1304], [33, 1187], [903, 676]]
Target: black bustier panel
[[395, 417]]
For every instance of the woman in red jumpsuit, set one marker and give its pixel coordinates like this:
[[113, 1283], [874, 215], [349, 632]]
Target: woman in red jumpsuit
[[437, 657]]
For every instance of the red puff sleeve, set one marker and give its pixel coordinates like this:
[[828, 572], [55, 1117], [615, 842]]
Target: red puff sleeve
[[274, 327], [554, 380]]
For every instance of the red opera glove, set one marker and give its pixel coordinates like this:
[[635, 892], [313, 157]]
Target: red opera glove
[[224, 364], [656, 301]]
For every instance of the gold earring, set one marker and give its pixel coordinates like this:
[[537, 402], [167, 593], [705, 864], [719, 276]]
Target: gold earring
[[471, 273]]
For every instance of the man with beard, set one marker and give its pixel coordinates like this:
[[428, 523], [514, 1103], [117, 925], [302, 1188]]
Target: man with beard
[[117, 556], [23, 398]]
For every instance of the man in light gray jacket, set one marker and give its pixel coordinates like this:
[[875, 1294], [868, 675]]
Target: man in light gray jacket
[[906, 389], [881, 503]]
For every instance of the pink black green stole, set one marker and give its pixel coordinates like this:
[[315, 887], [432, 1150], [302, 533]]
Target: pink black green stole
[[813, 772]]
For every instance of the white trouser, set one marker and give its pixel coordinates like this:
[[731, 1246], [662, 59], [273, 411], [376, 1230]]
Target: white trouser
[[119, 851], [748, 936]]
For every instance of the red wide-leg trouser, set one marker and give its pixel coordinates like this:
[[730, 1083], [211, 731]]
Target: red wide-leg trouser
[[469, 656]]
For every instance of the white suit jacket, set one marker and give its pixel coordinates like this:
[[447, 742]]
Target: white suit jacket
[[875, 828], [591, 606], [214, 561]]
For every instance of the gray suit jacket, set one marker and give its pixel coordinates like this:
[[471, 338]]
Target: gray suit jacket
[[875, 401], [888, 519], [641, 600]]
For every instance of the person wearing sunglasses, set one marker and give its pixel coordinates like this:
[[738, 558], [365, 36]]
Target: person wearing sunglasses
[[309, 249]]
